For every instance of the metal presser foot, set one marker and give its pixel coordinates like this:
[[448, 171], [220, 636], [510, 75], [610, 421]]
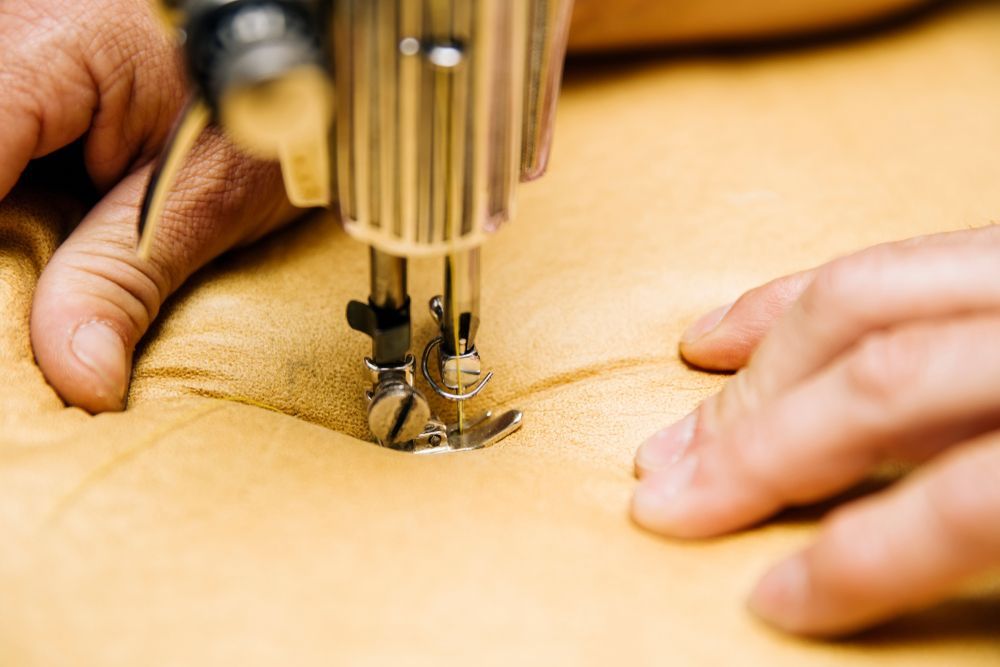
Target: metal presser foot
[[399, 415], [400, 418], [485, 431], [417, 121]]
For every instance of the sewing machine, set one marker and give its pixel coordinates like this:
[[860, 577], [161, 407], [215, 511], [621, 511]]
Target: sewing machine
[[417, 119]]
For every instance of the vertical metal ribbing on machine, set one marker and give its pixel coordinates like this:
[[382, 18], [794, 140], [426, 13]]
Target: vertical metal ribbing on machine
[[430, 118]]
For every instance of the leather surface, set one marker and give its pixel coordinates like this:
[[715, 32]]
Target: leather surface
[[233, 515]]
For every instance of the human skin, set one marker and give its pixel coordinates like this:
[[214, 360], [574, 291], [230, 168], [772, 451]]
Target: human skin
[[105, 73], [886, 355]]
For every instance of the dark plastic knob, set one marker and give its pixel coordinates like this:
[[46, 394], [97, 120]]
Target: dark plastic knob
[[243, 43]]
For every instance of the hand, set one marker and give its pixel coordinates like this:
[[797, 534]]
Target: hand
[[890, 354], [106, 71]]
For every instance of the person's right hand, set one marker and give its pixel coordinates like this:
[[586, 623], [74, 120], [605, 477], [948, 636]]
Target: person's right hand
[[107, 72], [889, 354]]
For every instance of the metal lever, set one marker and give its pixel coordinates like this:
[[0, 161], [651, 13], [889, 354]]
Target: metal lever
[[192, 122], [454, 367], [457, 317]]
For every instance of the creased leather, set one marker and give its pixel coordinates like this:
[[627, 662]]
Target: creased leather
[[233, 516]]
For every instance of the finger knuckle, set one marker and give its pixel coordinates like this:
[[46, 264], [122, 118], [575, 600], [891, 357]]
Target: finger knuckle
[[966, 501], [842, 286], [741, 396], [19, 81], [750, 448], [752, 452], [853, 552], [886, 363], [832, 289], [46, 61], [786, 292], [758, 308], [131, 47]]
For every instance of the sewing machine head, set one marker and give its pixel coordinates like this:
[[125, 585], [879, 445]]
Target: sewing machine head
[[417, 119]]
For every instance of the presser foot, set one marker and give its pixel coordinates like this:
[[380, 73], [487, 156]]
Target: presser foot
[[479, 433], [400, 418]]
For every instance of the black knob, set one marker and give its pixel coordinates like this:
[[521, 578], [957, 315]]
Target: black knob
[[243, 43]]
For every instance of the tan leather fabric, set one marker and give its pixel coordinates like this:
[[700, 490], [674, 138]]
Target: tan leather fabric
[[232, 515]]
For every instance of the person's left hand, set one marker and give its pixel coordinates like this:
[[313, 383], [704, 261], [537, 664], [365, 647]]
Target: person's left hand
[[890, 354], [105, 74]]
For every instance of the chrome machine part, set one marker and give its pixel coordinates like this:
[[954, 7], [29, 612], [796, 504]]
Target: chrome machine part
[[386, 315], [479, 433], [397, 412], [459, 319], [442, 108], [400, 418], [459, 366]]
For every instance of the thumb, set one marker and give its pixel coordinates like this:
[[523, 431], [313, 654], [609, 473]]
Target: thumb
[[96, 298]]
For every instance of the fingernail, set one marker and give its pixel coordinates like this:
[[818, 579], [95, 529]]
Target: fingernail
[[657, 498], [666, 447], [99, 347], [705, 325], [782, 593]]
